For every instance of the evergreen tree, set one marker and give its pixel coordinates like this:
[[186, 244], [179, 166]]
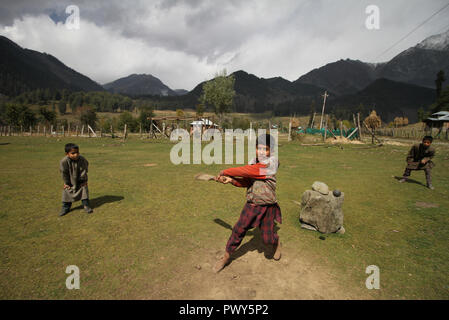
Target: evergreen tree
[[62, 107], [88, 116], [128, 119], [442, 103], [439, 82], [47, 117], [144, 114]]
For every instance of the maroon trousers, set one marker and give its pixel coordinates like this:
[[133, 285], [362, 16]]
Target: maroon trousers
[[253, 216]]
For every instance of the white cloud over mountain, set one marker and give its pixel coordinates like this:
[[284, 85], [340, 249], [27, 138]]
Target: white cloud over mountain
[[186, 42]]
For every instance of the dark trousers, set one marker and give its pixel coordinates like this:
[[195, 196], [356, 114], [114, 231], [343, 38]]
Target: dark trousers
[[67, 205], [253, 216], [427, 171]]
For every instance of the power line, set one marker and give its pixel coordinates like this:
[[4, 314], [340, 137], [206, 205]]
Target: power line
[[416, 28]]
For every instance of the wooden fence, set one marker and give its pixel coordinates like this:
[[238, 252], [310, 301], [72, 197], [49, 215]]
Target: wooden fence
[[59, 131], [413, 133]]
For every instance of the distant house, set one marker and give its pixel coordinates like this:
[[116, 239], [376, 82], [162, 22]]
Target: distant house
[[204, 122], [438, 119], [201, 125]]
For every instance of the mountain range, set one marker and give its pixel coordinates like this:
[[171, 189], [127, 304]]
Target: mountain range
[[396, 87], [417, 65]]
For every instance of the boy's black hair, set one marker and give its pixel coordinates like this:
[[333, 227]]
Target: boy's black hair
[[70, 146], [266, 140], [428, 138]]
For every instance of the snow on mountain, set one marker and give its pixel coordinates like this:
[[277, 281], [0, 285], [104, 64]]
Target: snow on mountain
[[438, 42]]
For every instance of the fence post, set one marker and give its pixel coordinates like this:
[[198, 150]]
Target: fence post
[[289, 130], [250, 131], [360, 128], [325, 128]]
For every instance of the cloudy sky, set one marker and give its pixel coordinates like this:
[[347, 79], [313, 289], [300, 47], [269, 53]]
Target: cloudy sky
[[186, 42]]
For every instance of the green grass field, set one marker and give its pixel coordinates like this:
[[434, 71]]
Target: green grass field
[[152, 223]]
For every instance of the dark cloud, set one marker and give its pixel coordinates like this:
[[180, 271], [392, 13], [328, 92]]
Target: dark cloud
[[268, 38]]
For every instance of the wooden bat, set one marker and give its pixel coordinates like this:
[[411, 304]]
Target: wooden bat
[[204, 177]]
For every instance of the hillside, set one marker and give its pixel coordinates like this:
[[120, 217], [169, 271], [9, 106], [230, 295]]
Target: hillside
[[389, 98], [139, 84], [341, 77], [23, 69]]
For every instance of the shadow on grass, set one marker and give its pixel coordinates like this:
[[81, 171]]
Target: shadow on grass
[[228, 226], [410, 181], [4, 143], [99, 201], [255, 243]]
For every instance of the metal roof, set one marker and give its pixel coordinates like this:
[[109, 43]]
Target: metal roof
[[440, 116], [201, 122]]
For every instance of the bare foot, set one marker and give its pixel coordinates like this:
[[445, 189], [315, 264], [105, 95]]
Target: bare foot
[[277, 253], [222, 263]]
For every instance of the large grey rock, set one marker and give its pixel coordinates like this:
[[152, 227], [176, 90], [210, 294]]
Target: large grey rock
[[321, 212]]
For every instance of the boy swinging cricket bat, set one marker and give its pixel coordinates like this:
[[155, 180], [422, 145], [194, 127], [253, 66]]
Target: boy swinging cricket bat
[[261, 208]]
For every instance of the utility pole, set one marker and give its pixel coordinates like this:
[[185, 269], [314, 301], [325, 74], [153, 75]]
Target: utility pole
[[325, 95]]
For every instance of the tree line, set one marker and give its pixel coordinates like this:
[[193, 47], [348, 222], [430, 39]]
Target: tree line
[[46, 106]]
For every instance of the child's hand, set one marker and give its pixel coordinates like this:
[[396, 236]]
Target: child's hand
[[219, 178], [223, 179], [226, 180], [66, 186], [423, 161]]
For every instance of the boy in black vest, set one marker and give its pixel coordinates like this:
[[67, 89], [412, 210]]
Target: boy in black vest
[[420, 158]]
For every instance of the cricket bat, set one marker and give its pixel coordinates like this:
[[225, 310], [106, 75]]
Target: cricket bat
[[204, 177]]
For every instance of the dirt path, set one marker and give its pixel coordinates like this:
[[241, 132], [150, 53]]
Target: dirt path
[[252, 274]]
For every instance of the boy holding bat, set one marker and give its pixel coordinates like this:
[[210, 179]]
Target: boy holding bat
[[420, 158], [74, 168], [261, 208]]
